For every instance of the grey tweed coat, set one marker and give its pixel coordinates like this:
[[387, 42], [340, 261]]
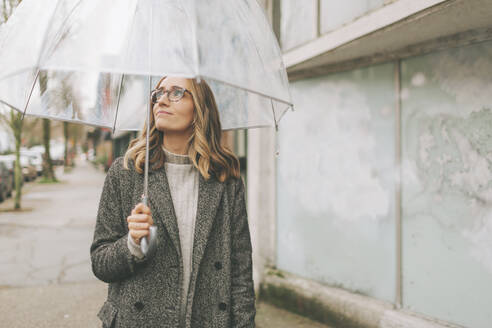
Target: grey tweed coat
[[146, 292]]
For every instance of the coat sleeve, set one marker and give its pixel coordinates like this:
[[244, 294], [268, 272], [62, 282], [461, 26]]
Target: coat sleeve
[[242, 289], [111, 258]]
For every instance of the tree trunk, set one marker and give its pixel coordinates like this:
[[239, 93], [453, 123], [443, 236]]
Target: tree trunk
[[65, 155], [16, 125], [48, 172], [74, 144]]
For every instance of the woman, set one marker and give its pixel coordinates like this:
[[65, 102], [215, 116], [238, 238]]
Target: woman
[[200, 274]]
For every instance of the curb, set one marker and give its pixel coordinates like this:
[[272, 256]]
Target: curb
[[337, 307]]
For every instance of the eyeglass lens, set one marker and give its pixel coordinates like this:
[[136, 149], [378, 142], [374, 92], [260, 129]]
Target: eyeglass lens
[[173, 94]]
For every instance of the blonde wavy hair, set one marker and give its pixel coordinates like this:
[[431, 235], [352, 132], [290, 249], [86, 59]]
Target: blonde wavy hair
[[205, 148]]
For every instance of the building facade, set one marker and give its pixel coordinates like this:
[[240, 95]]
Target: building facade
[[382, 192]]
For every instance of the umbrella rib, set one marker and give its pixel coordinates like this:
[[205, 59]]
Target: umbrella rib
[[274, 118], [30, 94], [283, 113], [9, 105], [118, 102]]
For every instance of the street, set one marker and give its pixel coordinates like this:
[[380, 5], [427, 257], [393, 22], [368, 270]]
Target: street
[[45, 270]]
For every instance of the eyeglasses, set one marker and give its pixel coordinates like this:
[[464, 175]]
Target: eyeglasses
[[174, 94]]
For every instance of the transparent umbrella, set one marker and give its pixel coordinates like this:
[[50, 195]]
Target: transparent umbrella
[[96, 61]]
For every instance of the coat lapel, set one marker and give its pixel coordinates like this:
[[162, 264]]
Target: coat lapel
[[209, 196]]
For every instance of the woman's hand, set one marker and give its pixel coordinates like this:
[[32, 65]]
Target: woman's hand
[[139, 222]]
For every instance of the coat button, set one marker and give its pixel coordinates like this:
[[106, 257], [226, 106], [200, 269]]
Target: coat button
[[218, 265], [139, 306], [222, 306]]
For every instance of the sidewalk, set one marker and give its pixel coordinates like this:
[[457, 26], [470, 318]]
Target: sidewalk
[[45, 274], [76, 305]]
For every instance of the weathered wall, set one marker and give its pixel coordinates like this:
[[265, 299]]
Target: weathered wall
[[447, 184], [336, 182], [337, 178]]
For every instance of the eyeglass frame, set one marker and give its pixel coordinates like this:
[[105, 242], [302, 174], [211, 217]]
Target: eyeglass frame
[[166, 93]]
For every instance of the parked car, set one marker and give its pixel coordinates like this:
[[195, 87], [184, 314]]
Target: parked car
[[28, 169], [6, 178], [36, 157], [9, 161], [57, 151]]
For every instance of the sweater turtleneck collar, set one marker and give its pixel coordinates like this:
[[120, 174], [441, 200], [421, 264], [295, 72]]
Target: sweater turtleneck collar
[[176, 158]]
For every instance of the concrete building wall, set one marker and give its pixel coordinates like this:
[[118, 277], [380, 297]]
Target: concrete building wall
[[383, 181], [337, 179], [335, 182], [261, 195], [337, 13], [447, 184], [300, 18], [298, 23]]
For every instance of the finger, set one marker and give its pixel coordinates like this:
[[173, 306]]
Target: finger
[[134, 210], [137, 209], [139, 218], [138, 226], [138, 234], [141, 208]]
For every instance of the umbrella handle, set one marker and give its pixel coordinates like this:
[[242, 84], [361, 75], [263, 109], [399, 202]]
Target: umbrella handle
[[149, 245]]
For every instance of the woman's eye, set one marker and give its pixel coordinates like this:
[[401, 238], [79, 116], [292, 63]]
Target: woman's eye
[[176, 92]]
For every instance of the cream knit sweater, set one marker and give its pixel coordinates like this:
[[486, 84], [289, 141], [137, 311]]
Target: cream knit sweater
[[183, 183]]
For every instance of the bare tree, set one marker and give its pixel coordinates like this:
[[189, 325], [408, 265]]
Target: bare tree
[[48, 171], [8, 7], [14, 120]]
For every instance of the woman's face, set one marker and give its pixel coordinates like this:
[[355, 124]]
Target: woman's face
[[174, 116]]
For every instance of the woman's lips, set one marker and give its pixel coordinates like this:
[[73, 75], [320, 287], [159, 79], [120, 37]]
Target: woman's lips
[[163, 112]]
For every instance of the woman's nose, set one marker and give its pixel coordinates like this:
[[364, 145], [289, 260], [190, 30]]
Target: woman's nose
[[163, 100]]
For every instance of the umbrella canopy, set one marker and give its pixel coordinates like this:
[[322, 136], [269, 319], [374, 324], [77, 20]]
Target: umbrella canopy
[[96, 61]]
